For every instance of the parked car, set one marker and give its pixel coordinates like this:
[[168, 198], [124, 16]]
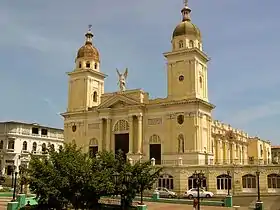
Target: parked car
[[165, 193], [192, 193]]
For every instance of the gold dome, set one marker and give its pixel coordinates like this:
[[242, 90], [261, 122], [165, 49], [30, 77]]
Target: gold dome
[[88, 51], [187, 28]]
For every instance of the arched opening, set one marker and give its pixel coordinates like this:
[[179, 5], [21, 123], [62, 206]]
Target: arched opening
[[223, 183], [93, 147], [181, 44], [193, 184], [273, 182], [44, 148], [52, 147], [95, 66], [191, 44], [155, 148], [95, 96], [121, 130], [166, 181], [181, 143], [34, 147], [24, 146], [80, 64], [249, 183], [1, 144], [88, 64]]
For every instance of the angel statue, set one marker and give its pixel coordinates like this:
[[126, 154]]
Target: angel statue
[[122, 79]]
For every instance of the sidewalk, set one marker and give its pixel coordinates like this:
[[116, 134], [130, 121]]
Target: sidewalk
[[166, 206]]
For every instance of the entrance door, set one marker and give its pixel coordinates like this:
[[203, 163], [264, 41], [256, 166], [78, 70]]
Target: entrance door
[[122, 143], [93, 150], [155, 152]]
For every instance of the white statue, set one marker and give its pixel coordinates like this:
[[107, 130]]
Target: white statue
[[122, 79]]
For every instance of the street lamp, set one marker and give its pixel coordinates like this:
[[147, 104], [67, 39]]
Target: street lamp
[[13, 168], [125, 179], [21, 172], [15, 186], [199, 177], [141, 187], [228, 176], [258, 185]]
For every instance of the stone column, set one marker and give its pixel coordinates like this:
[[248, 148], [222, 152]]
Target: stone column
[[241, 154], [108, 134], [131, 129], [225, 151], [101, 141], [140, 131]]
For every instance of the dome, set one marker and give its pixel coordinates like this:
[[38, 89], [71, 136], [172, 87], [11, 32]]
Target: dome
[[187, 28], [88, 51]]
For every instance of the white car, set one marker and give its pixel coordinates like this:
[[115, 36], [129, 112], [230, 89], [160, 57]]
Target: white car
[[192, 193], [165, 193]]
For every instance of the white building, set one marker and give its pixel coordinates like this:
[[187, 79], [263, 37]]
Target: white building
[[18, 140]]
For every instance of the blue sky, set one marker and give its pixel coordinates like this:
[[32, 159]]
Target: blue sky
[[39, 41]]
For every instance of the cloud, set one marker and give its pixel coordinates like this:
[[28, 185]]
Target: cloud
[[248, 115]]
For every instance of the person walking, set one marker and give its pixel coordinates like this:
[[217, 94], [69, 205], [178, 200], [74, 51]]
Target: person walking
[[195, 204]]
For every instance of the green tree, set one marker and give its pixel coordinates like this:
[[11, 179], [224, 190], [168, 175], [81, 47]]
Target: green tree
[[69, 176], [143, 177]]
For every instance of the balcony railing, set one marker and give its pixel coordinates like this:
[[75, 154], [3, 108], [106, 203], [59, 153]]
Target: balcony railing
[[49, 135]]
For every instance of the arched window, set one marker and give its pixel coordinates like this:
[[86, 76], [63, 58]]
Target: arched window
[[181, 143], [34, 147], [52, 147], [181, 44], [88, 64], [249, 181], [44, 148], [95, 66], [191, 44], [11, 144], [95, 96], [166, 181], [1, 144], [121, 125], [200, 82], [80, 64], [93, 147], [273, 181], [223, 182], [192, 182], [24, 146], [60, 147]]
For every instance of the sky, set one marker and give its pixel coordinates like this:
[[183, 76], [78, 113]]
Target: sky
[[39, 41]]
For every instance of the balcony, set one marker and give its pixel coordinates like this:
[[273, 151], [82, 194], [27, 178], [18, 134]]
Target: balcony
[[10, 150]]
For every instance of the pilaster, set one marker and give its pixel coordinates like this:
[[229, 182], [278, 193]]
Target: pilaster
[[102, 134], [140, 133], [131, 134], [108, 133]]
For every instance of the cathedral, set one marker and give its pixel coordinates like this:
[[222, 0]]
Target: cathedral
[[176, 132]]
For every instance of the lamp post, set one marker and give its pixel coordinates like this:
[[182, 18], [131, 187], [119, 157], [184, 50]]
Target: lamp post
[[21, 171], [228, 176], [258, 185], [15, 186], [198, 177], [259, 203], [123, 180], [141, 188]]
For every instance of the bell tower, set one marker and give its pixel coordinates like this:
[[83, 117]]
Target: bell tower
[[86, 82], [187, 63]]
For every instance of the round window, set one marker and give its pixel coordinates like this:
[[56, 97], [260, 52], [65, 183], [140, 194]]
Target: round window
[[181, 78], [74, 128], [180, 119]]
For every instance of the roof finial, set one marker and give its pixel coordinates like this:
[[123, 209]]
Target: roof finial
[[89, 35], [186, 11], [89, 27]]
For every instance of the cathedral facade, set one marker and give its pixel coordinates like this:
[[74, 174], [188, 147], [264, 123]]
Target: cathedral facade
[[176, 132]]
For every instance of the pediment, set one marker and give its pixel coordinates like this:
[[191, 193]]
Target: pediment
[[118, 101]]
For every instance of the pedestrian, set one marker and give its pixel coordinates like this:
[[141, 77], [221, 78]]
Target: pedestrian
[[195, 203]]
